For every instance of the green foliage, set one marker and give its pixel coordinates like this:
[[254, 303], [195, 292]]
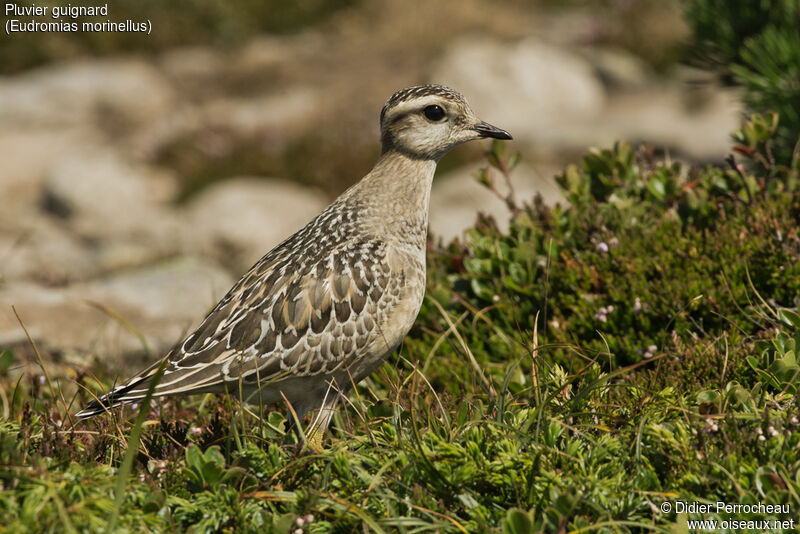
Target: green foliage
[[639, 256], [770, 74], [776, 365], [6, 361], [756, 45], [720, 27], [518, 522], [206, 470]]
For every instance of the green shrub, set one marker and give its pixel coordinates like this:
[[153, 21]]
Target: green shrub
[[776, 365], [756, 45], [643, 253]]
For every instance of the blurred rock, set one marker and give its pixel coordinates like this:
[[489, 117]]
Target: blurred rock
[[675, 117], [40, 308], [117, 316], [181, 290], [131, 90], [528, 88], [553, 99], [241, 219], [120, 254], [100, 195], [36, 248], [215, 126], [618, 69], [195, 68], [25, 156], [457, 197], [94, 213], [279, 112], [267, 52], [146, 142]]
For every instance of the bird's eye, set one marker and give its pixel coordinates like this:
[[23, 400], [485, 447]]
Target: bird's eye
[[434, 113]]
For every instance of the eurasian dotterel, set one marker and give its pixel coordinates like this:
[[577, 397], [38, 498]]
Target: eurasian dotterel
[[322, 310]]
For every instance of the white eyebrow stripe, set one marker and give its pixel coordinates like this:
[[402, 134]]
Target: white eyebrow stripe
[[412, 105]]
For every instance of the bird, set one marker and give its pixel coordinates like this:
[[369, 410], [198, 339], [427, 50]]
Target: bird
[[323, 309]]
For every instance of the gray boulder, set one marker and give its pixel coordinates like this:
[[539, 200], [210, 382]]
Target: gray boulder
[[239, 220], [99, 195], [79, 92], [114, 317]]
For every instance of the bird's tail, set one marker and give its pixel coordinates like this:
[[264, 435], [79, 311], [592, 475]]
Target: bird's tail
[[129, 392]]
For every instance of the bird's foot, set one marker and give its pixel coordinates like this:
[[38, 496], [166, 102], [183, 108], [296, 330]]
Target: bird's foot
[[314, 441]]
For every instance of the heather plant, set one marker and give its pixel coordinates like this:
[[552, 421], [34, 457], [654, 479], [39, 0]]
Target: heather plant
[[638, 254]]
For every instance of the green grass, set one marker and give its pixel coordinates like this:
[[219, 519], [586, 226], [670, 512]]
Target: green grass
[[634, 346]]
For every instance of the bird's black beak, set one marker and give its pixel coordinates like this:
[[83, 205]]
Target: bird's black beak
[[487, 130]]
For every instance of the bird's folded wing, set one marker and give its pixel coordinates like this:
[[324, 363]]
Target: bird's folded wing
[[286, 317]]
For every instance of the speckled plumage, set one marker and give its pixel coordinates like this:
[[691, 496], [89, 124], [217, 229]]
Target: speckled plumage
[[324, 308]]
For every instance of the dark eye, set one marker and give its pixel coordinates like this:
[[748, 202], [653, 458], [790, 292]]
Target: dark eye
[[434, 113]]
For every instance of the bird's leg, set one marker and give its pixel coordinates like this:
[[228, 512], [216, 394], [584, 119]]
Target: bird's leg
[[316, 430], [314, 434]]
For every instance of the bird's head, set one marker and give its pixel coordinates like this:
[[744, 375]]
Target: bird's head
[[425, 121]]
